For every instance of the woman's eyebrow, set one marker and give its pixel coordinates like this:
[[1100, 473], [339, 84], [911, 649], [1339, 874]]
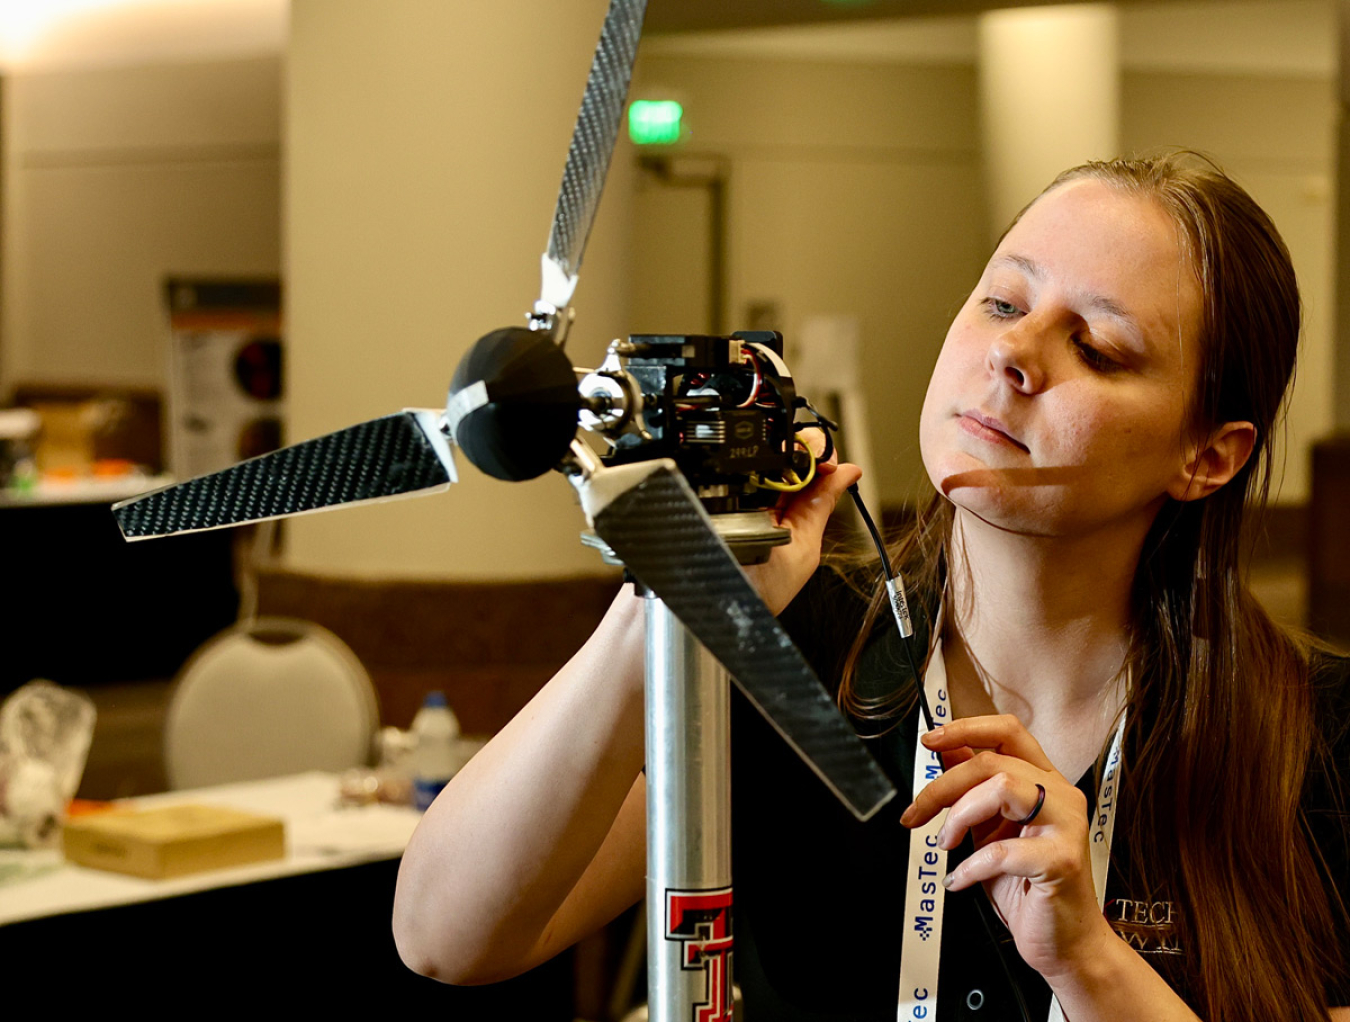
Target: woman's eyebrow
[[1101, 303], [1019, 262]]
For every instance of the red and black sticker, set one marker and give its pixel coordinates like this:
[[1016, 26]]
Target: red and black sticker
[[700, 921]]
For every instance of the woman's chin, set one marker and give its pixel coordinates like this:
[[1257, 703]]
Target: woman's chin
[[1007, 509]]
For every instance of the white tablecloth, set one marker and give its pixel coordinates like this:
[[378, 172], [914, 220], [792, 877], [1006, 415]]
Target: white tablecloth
[[319, 835]]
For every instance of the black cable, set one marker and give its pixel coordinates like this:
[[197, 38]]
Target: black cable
[[872, 528], [824, 426], [981, 904], [890, 576]]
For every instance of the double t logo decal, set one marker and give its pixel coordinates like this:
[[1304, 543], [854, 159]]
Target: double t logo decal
[[701, 922]]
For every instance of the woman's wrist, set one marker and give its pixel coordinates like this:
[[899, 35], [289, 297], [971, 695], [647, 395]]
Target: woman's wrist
[[1092, 961], [1106, 979]]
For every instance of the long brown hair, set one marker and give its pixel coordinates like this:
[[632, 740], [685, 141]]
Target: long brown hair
[[1221, 710]]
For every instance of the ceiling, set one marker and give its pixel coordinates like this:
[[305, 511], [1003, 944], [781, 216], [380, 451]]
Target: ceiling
[[699, 15], [1284, 36]]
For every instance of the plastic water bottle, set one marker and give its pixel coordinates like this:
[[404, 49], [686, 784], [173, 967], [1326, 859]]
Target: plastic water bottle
[[434, 758]]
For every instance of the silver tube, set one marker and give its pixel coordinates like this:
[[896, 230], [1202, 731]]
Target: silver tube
[[688, 729]]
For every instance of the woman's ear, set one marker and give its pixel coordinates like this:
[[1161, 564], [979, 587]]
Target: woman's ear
[[1214, 460]]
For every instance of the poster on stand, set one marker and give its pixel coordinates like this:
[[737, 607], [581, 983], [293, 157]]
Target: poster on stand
[[226, 393]]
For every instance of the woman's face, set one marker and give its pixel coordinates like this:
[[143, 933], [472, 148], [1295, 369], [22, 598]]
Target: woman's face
[[1058, 405]]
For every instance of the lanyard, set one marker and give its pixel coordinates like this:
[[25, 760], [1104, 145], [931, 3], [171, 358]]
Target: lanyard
[[921, 939]]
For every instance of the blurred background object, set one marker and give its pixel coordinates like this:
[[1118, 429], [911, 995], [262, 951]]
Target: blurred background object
[[265, 698], [84, 427], [226, 394], [19, 430], [45, 732]]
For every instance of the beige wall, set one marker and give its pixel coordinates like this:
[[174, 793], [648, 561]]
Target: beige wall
[[115, 178], [854, 190], [425, 144], [1033, 126], [1275, 134]]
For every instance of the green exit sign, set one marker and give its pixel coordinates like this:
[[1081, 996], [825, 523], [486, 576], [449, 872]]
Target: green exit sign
[[654, 121]]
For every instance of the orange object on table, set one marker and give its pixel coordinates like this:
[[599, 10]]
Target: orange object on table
[[86, 807]]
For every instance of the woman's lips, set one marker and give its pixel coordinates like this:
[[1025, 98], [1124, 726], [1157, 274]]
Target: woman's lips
[[988, 428]]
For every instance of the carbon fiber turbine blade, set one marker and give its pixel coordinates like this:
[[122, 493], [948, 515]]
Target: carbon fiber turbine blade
[[393, 456], [651, 519], [588, 156]]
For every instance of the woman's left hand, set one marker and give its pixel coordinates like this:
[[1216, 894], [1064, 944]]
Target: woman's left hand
[[1038, 875], [805, 514]]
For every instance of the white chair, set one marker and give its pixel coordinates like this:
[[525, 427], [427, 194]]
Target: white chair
[[268, 697]]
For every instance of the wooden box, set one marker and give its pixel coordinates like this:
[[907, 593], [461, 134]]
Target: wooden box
[[173, 841]]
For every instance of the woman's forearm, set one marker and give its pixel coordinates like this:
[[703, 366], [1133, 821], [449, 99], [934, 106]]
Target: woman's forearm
[[501, 849], [541, 838], [1110, 982]]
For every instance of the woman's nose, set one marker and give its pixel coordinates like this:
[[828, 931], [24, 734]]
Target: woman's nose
[[1013, 358]]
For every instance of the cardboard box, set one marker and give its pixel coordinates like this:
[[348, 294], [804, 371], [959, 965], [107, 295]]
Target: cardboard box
[[173, 841]]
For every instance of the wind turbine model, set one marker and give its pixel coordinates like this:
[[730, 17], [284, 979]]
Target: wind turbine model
[[693, 425]]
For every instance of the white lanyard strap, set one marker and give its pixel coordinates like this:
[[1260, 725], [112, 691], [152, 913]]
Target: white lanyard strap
[[1100, 835], [921, 939]]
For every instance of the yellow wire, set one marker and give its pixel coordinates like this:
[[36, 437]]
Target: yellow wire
[[795, 484]]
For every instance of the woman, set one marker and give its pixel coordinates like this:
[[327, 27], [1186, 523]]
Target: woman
[[1096, 419]]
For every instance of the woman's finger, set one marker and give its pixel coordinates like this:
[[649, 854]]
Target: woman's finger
[[1012, 776], [1003, 734], [810, 510], [1016, 799], [955, 757], [814, 438], [1042, 859]]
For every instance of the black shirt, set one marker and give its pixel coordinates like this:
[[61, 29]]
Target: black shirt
[[819, 896]]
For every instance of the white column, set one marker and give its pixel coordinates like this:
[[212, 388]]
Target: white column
[[425, 142], [1341, 336], [1049, 96]]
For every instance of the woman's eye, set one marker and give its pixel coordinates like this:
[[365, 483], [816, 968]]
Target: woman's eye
[[1000, 309], [1094, 358]]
